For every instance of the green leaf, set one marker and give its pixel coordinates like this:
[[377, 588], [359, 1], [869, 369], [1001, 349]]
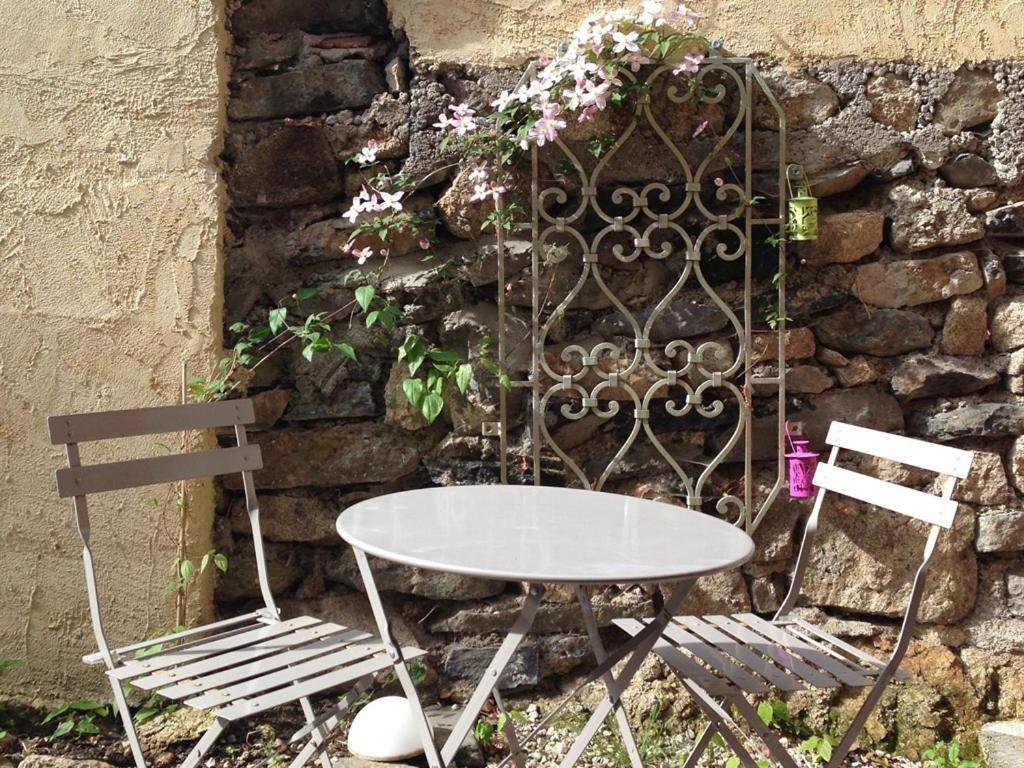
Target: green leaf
[[220, 562], [55, 713], [825, 750], [433, 404], [346, 350], [732, 762], [86, 726], [205, 562], [238, 327], [186, 569], [463, 377], [11, 663], [63, 729], [413, 389], [304, 294], [372, 317], [277, 319], [144, 714], [364, 295], [308, 351], [417, 672], [443, 356], [765, 712]]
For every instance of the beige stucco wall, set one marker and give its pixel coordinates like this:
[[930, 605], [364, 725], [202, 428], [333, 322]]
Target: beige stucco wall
[[948, 32], [110, 128]]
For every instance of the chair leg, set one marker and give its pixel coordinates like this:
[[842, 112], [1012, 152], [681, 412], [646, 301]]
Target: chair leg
[[700, 746], [515, 748], [129, 724], [853, 732], [319, 734], [205, 744]]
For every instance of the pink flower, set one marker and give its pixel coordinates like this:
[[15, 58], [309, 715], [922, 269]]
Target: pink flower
[[361, 255], [462, 119], [719, 181], [425, 243], [586, 115], [637, 60], [700, 129], [691, 63], [548, 125], [492, 190]]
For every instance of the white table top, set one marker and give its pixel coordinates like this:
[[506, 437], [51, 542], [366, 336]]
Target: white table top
[[545, 535]]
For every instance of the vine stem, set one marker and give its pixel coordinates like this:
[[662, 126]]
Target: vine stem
[[181, 593]]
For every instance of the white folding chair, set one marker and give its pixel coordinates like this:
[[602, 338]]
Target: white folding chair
[[729, 657], [234, 668]]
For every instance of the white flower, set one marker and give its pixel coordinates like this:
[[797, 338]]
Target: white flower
[[652, 14], [367, 154], [685, 15], [362, 255], [483, 191], [390, 201], [625, 42], [479, 174]]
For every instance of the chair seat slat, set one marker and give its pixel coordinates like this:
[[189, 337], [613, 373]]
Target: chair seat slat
[[210, 664], [897, 498], [906, 450], [231, 625], [676, 659], [140, 667], [835, 667], [281, 677], [747, 682], [309, 686], [231, 675], [156, 470], [823, 636], [782, 656], [85, 427], [756, 662]]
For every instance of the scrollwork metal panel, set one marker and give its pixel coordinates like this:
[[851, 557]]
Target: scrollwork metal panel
[[641, 289]]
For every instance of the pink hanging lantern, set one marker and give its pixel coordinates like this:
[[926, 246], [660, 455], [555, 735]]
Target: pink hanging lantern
[[801, 463]]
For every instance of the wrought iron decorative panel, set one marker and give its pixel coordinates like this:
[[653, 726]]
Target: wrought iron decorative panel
[[647, 230]]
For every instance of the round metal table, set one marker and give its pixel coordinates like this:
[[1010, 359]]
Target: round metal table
[[542, 535]]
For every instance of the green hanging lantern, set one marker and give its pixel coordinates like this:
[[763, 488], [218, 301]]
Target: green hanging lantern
[[803, 207]]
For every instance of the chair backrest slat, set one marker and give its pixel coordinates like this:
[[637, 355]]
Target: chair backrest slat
[[84, 427], [906, 450], [135, 473], [896, 498]]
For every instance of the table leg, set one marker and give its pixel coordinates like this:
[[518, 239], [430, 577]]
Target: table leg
[[583, 598], [645, 640], [512, 640], [394, 651]]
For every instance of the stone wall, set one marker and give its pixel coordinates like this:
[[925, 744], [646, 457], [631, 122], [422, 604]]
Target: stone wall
[[905, 315]]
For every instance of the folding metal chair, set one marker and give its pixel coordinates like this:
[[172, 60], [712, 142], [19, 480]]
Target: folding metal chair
[[729, 657], [234, 668]]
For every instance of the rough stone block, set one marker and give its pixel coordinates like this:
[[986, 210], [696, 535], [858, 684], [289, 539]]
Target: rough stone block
[[291, 517], [885, 332], [292, 166], [310, 16], [343, 85], [464, 662], [951, 421], [928, 376], [917, 281], [986, 483], [893, 101], [930, 217], [1006, 327], [844, 238], [1003, 743], [1007, 221], [865, 558], [343, 454], [968, 170], [966, 326], [1000, 530], [395, 577], [971, 99]]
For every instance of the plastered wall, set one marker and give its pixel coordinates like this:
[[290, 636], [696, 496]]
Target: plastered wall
[[948, 32], [110, 128]]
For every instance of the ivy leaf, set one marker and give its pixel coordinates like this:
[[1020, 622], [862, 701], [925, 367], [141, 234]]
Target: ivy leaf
[[372, 317], [765, 712], [186, 569], [443, 356], [308, 351], [220, 561], [432, 406], [364, 295], [463, 376], [204, 563], [413, 389], [347, 351], [277, 318]]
